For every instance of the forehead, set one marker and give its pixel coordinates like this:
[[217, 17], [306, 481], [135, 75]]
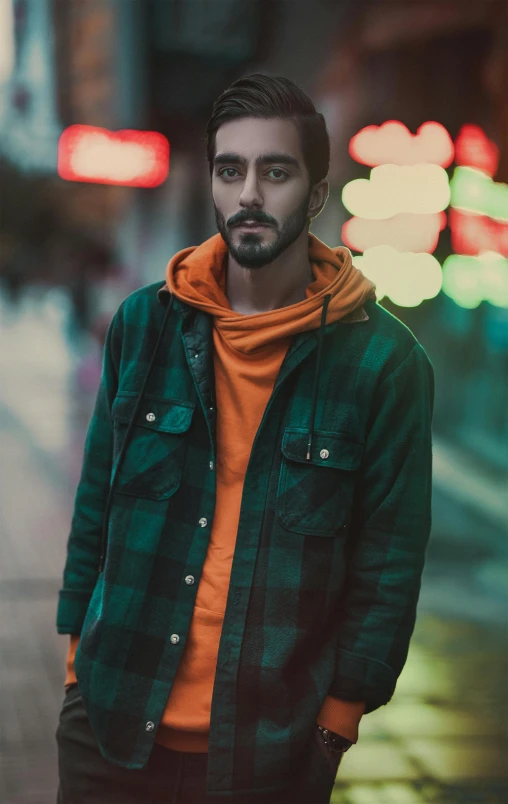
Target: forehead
[[250, 137]]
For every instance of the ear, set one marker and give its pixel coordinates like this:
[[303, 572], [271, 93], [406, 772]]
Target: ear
[[318, 198]]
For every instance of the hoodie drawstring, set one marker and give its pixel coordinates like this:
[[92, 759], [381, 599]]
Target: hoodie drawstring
[[130, 427], [316, 374]]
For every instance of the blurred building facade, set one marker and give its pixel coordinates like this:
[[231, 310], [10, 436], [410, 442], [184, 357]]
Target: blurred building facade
[[159, 64]]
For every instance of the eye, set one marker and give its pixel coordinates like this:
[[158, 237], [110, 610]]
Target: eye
[[282, 173], [223, 171]]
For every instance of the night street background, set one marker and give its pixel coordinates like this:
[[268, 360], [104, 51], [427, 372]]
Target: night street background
[[415, 97]]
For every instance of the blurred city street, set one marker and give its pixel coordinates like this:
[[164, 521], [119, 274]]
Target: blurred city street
[[443, 736], [111, 121]]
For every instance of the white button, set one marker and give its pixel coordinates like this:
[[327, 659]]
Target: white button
[[324, 454], [174, 638], [211, 465], [150, 725], [189, 580], [150, 417], [203, 522], [195, 356]]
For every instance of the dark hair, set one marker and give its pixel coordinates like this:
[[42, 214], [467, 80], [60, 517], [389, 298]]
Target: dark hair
[[273, 96]]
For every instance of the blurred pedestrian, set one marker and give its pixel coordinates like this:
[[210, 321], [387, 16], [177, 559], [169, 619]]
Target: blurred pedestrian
[[249, 530], [15, 273], [87, 264]]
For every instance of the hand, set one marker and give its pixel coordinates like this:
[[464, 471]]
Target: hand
[[333, 757]]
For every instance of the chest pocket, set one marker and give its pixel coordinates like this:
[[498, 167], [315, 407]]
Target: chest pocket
[[153, 462], [315, 497]]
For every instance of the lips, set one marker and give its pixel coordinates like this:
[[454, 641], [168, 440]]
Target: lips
[[251, 225]]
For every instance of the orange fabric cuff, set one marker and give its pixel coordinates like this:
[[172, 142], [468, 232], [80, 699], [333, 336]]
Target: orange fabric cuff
[[341, 717], [70, 675]]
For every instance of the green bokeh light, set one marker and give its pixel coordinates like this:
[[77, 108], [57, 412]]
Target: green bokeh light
[[474, 191], [471, 280]]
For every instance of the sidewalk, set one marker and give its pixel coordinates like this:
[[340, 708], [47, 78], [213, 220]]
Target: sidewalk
[[442, 737], [34, 519]]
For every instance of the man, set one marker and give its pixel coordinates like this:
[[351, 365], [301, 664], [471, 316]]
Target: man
[[249, 530]]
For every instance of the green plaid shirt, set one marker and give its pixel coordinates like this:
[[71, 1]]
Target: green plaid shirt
[[329, 552]]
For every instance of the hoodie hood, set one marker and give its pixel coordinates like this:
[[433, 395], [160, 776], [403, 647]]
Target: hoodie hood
[[197, 276]]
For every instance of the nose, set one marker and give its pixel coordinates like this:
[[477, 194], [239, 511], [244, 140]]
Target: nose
[[251, 192]]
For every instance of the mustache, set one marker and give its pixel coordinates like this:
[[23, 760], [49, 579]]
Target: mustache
[[246, 215]]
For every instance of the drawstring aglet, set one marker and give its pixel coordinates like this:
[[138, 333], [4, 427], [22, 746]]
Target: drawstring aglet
[[312, 421]]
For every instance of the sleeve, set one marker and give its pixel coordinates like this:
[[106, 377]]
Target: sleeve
[[390, 528], [84, 542]]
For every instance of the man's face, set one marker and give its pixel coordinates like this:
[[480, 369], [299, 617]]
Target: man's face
[[259, 177]]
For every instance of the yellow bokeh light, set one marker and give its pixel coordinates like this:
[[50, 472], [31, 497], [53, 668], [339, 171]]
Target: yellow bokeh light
[[405, 277], [405, 232], [421, 189]]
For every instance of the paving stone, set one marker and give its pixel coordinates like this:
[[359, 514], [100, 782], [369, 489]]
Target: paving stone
[[461, 759], [369, 761]]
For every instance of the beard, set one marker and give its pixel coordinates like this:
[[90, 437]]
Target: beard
[[251, 252]]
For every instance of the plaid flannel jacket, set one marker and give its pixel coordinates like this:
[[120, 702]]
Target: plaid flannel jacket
[[329, 553]]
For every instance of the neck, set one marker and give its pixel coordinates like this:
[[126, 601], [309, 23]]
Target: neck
[[278, 284]]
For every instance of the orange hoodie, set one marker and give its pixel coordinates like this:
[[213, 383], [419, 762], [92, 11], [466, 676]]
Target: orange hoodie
[[248, 353]]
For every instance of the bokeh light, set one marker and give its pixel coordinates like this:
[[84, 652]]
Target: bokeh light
[[129, 158], [6, 40], [393, 143], [407, 278], [474, 149], [405, 232], [473, 233], [471, 280], [474, 191], [391, 189]]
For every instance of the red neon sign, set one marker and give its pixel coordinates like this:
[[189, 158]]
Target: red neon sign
[[474, 149], [129, 158], [392, 143]]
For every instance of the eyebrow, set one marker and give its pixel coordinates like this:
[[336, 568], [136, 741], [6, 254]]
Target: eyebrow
[[265, 159]]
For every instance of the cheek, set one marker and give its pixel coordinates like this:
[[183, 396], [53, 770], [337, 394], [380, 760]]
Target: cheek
[[282, 203], [225, 198]]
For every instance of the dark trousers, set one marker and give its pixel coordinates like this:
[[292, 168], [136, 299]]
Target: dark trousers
[[170, 777]]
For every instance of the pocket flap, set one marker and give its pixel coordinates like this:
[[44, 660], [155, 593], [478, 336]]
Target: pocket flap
[[331, 449], [155, 413]]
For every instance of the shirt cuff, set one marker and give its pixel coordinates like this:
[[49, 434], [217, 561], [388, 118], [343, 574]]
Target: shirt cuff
[[70, 675], [341, 717]]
